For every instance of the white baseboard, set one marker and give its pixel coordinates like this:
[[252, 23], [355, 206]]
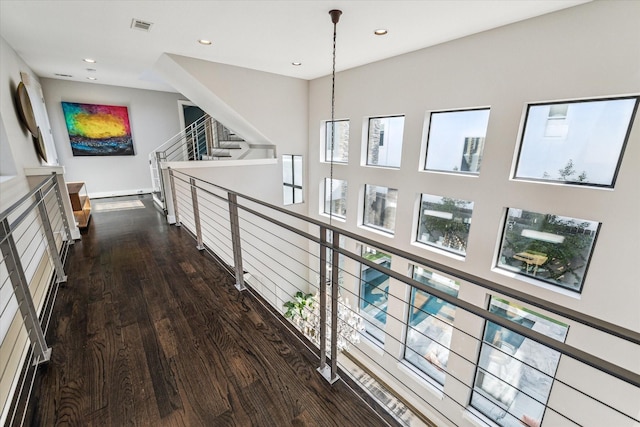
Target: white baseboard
[[171, 219]]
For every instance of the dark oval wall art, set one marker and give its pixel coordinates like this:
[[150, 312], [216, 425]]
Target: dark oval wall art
[[29, 119], [26, 110]]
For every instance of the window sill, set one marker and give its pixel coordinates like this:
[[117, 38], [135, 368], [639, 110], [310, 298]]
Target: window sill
[[537, 283], [437, 250], [436, 389]]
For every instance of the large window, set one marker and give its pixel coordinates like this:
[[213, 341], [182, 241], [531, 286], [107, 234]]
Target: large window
[[374, 292], [515, 374], [551, 248], [384, 146], [578, 142], [444, 223], [429, 327], [339, 146], [380, 207], [335, 197], [292, 179], [456, 141]]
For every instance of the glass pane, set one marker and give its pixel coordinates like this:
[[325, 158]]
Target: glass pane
[[297, 170], [445, 223], [297, 195], [576, 142], [335, 197], [287, 169], [341, 141], [380, 207], [287, 193], [429, 331], [374, 292], [515, 374], [384, 147], [551, 248], [456, 140]]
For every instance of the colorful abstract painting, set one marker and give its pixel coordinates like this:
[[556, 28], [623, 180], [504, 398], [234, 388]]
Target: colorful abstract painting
[[98, 130]]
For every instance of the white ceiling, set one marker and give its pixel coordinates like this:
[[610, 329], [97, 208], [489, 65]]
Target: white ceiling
[[54, 36]]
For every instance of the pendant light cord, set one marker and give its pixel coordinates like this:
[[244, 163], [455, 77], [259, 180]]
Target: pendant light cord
[[335, 17]]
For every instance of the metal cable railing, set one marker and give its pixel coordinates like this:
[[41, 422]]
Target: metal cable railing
[[205, 139], [34, 239], [408, 339]]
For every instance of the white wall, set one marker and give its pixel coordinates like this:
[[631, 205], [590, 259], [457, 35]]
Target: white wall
[[17, 144], [583, 52], [153, 117]]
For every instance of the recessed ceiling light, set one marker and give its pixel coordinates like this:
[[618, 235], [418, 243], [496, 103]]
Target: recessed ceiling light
[[89, 60], [92, 78], [204, 42], [296, 64], [380, 32]]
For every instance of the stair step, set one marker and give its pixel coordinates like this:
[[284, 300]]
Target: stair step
[[228, 145], [216, 156]]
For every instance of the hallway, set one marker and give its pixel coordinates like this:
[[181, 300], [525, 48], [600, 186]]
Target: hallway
[[148, 331]]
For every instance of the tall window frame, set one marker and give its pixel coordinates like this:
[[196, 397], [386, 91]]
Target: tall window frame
[[577, 142], [514, 374], [384, 141], [429, 326], [334, 206], [340, 142], [379, 212], [292, 179], [374, 293], [456, 138], [444, 223]]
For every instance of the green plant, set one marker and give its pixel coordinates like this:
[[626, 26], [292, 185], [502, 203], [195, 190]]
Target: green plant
[[296, 307]]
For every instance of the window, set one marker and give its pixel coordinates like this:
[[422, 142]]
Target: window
[[380, 207], [292, 179], [374, 292], [547, 247], [456, 140], [515, 374], [429, 326], [335, 197], [444, 223], [384, 147], [340, 141], [577, 142]]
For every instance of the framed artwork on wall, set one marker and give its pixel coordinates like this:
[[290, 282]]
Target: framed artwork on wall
[[98, 130]]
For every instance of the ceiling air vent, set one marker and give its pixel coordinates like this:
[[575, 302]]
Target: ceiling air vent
[[138, 24]]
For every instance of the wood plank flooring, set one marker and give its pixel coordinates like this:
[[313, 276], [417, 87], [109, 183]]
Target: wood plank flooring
[[149, 331]]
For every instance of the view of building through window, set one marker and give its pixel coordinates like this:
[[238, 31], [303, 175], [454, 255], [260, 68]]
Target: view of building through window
[[380, 207], [456, 140], [547, 247], [384, 146], [374, 292], [340, 147], [429, 327], [576, 142], [292, 179], [515, 374], [444, 223], [335, 197]]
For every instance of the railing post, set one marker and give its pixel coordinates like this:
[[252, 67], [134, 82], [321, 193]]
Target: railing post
[[235, 240], [63, 214], [323, 302], [330, 373], [23, 296], [51, 241], [335, 290], [196, 213], [172, 183], [159, 159]]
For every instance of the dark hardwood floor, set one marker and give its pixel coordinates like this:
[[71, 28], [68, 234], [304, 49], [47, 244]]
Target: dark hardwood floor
[[149, 331]]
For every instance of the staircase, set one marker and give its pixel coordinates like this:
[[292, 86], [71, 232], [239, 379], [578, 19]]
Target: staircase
[[204, 140]]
